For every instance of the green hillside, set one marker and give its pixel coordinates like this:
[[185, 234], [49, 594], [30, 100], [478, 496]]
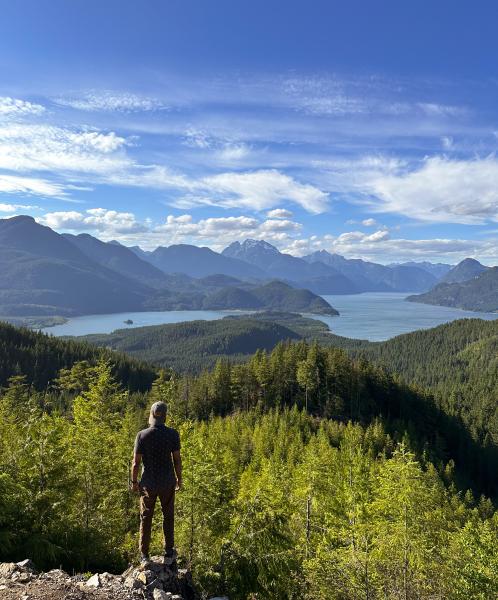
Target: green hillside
[[458, 362], [479, 293], [40, 357], [195, 345]]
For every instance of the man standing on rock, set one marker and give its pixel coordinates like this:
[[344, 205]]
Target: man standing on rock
[[158, 448]]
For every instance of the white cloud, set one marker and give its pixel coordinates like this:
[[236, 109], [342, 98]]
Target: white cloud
[[30, 147], [434, 109], [436, 189], [378, 236], [369, 222], [104, 221], [232, 152], [95, 140], [440, 190], [447, 142], [196, 138], [274, 225], [14, 107], [108, 101], [224, 149], [279, 213], [220, 231], [13, 184], [334, 97], [10, 208], [215, 232], [92, 157], [263, 189], [381, 248]]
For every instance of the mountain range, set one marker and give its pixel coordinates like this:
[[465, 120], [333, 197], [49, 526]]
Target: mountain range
[[373, 277], [199, 262], [439, 270], [320, 272], [46, 273], [42, 272]]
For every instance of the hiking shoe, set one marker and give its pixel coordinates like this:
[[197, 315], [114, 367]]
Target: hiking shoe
[[170, 557]]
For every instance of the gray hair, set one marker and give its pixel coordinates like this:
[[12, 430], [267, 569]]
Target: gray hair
[[157, 415]]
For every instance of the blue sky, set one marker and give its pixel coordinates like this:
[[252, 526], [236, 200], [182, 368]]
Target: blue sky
[[364, 128]]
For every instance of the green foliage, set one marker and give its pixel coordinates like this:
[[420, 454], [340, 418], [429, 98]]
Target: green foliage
[[40, 357], [354, 498], [195, 345], [458, 363]]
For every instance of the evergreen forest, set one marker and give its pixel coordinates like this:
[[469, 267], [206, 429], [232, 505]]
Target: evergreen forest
[[308, 472]]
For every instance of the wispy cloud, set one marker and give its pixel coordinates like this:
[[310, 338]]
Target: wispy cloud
[[14, 107], [224, 149], [109, 101], [95, 156], [331, 96], [13, 184], [264, 189], [439, 190], [279, 213], [37, 147], [10, 208]]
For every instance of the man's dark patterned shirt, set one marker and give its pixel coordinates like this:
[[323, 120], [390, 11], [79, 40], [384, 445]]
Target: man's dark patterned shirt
[[156, 444]]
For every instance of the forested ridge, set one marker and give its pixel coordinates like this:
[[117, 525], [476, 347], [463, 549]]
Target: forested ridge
[[479, 293], [39, 357], [307, 474], [193, 346], [458, 363]]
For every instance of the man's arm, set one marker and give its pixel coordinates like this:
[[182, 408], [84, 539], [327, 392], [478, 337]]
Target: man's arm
[[177, 461], [135, 466]]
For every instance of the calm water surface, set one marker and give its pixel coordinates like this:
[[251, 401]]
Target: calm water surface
[[377, 316], [108, 323], [371, 316]]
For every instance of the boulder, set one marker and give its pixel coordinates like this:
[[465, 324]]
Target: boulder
[[94, 581], [8, 569], [27, 564]]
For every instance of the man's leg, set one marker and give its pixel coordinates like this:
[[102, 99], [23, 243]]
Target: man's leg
[[167, 498], [147, 503]]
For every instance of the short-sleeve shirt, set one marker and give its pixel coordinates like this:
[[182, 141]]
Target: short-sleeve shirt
[[156, 444]]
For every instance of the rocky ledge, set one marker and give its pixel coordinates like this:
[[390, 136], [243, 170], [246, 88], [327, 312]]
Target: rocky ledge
[[21, 581]]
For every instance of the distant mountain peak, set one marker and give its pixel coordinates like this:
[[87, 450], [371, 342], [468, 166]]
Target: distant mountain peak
[[250, 245], [469, 261], [467, 269], [21, 219]]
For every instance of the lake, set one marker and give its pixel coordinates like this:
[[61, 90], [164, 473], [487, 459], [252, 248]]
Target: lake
[[370, 316], [382, 315], [110, 322]]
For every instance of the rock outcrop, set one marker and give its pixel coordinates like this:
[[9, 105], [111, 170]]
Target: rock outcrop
[[156, 581]]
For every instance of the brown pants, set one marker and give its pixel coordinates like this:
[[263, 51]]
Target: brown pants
[[148, 499]]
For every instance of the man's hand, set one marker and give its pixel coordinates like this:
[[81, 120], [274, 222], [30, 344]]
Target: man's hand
[[179, 484], [137, 459]]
